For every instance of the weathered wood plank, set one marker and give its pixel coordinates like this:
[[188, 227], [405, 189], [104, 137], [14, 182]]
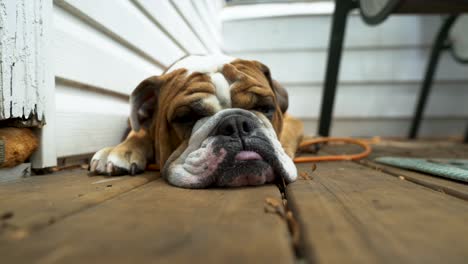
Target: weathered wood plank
[[349, 213], [38, 201], [158, 223], [423, 149], [453, 188]]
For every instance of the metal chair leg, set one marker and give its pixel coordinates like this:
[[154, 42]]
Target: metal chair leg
[[335, 46], [439, 45]]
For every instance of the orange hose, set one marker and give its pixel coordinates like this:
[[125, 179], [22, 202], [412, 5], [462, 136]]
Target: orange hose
[[365, 153], [153, 167]]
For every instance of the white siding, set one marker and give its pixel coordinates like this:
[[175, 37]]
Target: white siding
[[380, 76], [102, 51], [193, 19]]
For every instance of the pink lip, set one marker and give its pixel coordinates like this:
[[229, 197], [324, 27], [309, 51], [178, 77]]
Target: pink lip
[[248, 155]]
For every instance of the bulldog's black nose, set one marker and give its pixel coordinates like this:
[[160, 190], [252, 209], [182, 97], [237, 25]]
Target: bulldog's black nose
[[235, 126]]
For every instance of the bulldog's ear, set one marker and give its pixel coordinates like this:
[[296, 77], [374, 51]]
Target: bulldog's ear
[[281, 95], [143, 101], [280, 92]]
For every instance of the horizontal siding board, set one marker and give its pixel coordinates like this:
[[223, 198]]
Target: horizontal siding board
[[208, 20], [186, 8], [312, 32], [81, 99], [400, 65], [83, 133], [88, 120], [391, 127], [214, 12], [165, 14], [85, 55], [380, 100], [124, 20]]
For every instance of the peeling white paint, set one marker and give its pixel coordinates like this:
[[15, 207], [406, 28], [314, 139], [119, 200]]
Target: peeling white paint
[[22, 59]]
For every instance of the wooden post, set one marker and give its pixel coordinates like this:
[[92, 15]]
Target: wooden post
[[26, 72]]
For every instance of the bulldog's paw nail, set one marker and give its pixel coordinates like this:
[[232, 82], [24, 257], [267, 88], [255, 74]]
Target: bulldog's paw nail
[[110, 168], [93, 166], [133, 169]]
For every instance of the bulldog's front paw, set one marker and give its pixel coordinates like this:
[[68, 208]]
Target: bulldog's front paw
[[118, 160]]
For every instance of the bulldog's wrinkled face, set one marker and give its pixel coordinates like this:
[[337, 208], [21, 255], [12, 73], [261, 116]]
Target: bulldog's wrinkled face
[[233, 147], [217, 124]]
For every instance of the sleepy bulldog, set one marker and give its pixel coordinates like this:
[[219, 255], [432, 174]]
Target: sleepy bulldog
[[208, 121]]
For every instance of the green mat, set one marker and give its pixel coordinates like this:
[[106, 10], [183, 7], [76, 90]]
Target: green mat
[[456, 169]]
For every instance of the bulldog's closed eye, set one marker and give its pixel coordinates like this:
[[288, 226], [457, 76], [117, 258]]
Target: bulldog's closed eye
[[267, 110], [186, 117]]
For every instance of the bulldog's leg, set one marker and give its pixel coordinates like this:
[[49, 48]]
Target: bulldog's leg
[[129, 157], [291, 136]]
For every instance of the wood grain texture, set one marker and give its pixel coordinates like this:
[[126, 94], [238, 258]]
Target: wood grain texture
[[349, 213], [158, 223], [422, 149], [36, 202]]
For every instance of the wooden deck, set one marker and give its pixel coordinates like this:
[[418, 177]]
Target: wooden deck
[[343, 212]]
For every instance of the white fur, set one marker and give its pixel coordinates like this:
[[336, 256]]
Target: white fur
[[211, 65], [214, 102], [223, 89], [202, 63]]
